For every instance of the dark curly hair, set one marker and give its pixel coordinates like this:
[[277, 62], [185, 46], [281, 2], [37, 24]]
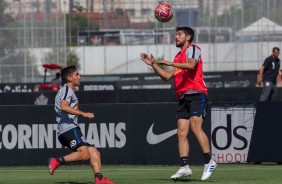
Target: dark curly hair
[[187, 31]]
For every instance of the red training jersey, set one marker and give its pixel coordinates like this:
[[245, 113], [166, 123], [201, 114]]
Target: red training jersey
[[189, 81]]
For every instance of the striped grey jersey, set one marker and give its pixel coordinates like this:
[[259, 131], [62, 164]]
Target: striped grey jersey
[[65, 121]]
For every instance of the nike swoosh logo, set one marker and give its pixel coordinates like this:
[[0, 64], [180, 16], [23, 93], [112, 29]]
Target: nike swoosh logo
[[155, 139]]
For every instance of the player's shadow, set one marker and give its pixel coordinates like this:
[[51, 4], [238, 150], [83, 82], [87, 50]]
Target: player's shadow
[[178, 180], [188, 180], [71, 182]]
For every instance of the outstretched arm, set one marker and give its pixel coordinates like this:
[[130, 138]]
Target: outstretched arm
[[188, 65], [149, 60]]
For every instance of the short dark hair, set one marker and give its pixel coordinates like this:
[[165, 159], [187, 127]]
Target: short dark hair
[[187, 31], [67, 71], [275, 48]]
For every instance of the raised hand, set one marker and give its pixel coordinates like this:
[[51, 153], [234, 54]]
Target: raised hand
[[89, 115], [148, 59]]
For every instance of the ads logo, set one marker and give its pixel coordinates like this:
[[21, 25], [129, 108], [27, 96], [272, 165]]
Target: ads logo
[[153, 138], [231, 133], [72, 143], [43, 136]]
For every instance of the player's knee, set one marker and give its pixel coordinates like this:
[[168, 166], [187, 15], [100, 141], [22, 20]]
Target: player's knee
[[94, 152], [85, 156], [181, 133], [196, 125], [194, 128], [97, 152]]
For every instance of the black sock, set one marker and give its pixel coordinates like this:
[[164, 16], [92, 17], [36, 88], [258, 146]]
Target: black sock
[[207, 157], [183, 161], [61, 160], [99, 175]]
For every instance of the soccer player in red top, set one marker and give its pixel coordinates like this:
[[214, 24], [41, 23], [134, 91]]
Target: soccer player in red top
[[191, 91]]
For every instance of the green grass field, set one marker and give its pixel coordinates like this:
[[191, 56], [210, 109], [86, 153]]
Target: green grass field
[[225, 174]]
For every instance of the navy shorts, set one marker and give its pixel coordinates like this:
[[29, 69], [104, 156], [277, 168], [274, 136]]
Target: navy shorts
[[73, 139], [192, 105]]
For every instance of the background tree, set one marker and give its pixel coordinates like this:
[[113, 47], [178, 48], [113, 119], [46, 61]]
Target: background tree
[[57, 56], [16, 62], [77, 22], [7, 37]]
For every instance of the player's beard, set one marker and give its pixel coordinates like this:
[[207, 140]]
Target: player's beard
[[77, 83], [180, 44]]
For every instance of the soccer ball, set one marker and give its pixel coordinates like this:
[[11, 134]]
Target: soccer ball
[[163, 13]]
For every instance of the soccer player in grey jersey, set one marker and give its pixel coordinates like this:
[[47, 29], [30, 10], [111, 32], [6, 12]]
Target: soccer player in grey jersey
[[66, 121], [69, 134]]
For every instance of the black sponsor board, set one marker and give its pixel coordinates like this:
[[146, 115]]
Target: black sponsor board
[[235, 79], [90, 97], [230, 95], [17, 88], [135, 88], [266, 137], [141, 133]]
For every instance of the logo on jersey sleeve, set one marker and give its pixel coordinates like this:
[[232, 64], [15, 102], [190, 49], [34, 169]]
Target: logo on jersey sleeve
[[177, 70]]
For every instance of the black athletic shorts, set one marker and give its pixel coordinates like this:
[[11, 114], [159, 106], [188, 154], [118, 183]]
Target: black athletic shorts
[[192, 105], [73, 139]]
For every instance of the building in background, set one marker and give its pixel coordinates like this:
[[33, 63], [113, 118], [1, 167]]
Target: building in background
[[40, 31], [137, 10]]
